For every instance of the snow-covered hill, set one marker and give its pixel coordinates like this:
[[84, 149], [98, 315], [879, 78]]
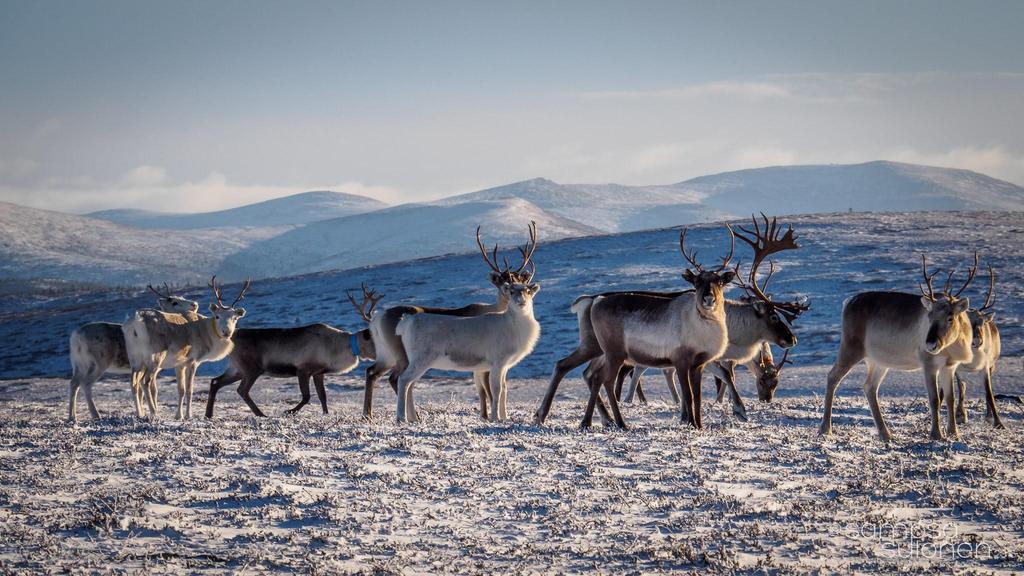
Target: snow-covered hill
[[293, 210], [872, 186], [397, 234], [840, 256], [609, 207], [38, 244]]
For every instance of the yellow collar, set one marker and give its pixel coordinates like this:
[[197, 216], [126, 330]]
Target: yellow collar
[[216, 330]]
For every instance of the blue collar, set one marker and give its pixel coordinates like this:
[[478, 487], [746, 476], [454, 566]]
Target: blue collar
[[353, 345]]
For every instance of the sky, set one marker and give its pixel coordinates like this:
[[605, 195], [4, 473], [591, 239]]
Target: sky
[[192, 106]]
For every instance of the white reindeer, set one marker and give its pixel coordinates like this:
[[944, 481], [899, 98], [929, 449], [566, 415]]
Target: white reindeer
[[154, 339], [908, 332], [491, 343], [97, 348]]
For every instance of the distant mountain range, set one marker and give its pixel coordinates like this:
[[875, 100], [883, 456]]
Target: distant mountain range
[[294, 210], [317, 231]]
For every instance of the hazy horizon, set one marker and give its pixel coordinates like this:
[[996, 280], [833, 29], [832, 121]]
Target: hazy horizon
[[196, 107]]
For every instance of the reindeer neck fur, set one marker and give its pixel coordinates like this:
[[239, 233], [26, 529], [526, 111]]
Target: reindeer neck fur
[[188, 338], [746, 332]]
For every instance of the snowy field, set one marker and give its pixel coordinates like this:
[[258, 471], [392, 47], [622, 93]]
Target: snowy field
[[332, 494]]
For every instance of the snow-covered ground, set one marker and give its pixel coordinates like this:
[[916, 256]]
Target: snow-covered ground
[[333, 494]]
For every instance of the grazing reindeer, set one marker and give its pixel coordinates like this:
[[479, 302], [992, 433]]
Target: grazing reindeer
[[908, 332], [986, 346], [305, 352], [98, 347], [685, 332], [391, 356], [154, 339], [491, 343]]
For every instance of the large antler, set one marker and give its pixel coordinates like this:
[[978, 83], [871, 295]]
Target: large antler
[[220, 299], [927, 279], [990, 298], [216, 290], [241, 293], [167, 290], [765, 243], [507, 272], [369, 297], [971, 272], [691, 256]]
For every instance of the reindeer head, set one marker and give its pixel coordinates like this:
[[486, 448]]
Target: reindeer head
[[226, 317], [947, 316], [505, 279], [709, 285], [771, 373], [765, 243], [173, 304], [981, 317]]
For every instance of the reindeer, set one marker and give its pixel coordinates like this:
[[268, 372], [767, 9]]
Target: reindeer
[[907, 332], [391, 356], [752, 323], [306, 352], [685, 332], [986, 345], [98, 347], [154, 339], [491, 343]]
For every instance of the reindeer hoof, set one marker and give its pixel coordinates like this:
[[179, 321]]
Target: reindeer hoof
[[999, 425], [825, 430]]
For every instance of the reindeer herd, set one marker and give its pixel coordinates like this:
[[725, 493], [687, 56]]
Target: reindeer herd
[[621, 334]]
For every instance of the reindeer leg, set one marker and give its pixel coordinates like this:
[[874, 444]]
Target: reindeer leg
[[483, 391], [931, 382], [620, 378], [243, 390], [634, 382], [738, 409], [321, 392], [73, 386], [137, 383], [946, 381], [150, 389], [562, 367], [683, 372], [695, 384], [503, 399], [87, 386], [990, 399], [961, 388], [495, 385], [304, 389], [190, 386], [611, 388], [406, 409], [216, 384], [848, 358], [180, 378], [670, 377], [373, 373], [593, 379], [874, 379]]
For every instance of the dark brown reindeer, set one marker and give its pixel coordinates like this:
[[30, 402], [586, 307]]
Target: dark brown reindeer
[[391, 356], [685, 332], [304, 352]]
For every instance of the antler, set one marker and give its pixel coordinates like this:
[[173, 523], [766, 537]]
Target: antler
[[491, 261], [971, 272], [927, 279], [369, 296], [690, 257], [526, 252], [784, 361], [216, 290], [765, 243], [530, 248], [157, 292], [241, 294], [990, 298]]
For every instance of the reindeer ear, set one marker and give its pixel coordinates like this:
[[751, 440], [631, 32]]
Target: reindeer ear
[[728, 276], [961, 305], [533, 288], [927, 303], [759, 307], [689, 276], [496, 279], [213, 306], [240, 312]]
